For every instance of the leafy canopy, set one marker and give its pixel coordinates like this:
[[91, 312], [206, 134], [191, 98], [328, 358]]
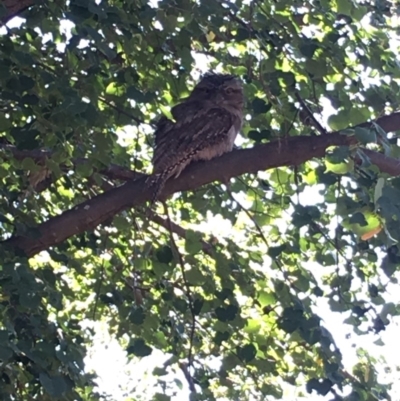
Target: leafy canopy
[[242, 279]]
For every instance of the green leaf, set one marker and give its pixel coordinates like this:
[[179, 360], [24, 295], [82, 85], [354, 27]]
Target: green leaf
[[139, 348], [221, 336], [291, 319], [339, 168], [96, 9], [84, 169], [5, 123], [365, 135], [226, 314], [322, 387], [133, 93], [364, 224], [26, 83], [53, 167], [29, 300], [339, 121], [5, 353], [198, 306], [358, 12], [54, 385], [180, 305], [137, 315], [161, 397], [378, 189], [107, 50], [388, 267], [344, 6], [164, 254], [358, 218], [30, 100], [113, 89], [260, 106], [246, 353], [193, 243], [266, 298], [29, 164], [308, 48], [194, 276]]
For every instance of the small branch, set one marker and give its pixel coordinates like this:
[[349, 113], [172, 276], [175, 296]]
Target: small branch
[[310, 115], [249, 215], [263, 238], [171, 226], [113, 171], [188, 377], [188, 294], [119, 110]]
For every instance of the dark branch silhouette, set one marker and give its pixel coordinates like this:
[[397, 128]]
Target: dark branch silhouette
[[113, 171], [287, 152], [14, 8]]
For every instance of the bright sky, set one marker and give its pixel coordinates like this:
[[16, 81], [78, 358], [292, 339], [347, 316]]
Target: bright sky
[[120, 378]]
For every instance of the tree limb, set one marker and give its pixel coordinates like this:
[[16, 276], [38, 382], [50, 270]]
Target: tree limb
[[386, 164], [93, 212], [14, 8], [287, 152]]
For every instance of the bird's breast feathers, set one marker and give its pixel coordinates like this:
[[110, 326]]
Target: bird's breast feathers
[[219, 148]]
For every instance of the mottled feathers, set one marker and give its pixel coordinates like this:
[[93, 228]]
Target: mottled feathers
[[206, 125]]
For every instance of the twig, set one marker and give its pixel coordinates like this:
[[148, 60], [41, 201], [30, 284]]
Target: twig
[[113, 171], [258, 228], [188, 292], [171, 226], [188, 377], [113, 106], [310, 115], [100, 278], [264, 239]]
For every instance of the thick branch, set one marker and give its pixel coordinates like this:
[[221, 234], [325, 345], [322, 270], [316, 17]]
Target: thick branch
[[93, 212], [14, 8], [89, 214], [386, 164]]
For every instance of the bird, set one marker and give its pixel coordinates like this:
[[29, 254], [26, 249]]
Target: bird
[[204, 126]]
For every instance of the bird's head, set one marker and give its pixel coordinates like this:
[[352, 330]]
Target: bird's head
[[221, 89]]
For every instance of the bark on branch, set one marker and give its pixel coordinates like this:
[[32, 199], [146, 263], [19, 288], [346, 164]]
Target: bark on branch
[[14, 8], [287, 152]]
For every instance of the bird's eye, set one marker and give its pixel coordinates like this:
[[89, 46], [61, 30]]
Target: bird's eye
[[229, 91]]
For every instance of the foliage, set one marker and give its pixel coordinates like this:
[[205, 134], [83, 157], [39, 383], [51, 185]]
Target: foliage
[[81, 83]]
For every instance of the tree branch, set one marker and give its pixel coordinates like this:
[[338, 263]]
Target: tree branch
[[171, 226], [93, 212], [14, 8], [386, 164], [113, 171], [287, 152]]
